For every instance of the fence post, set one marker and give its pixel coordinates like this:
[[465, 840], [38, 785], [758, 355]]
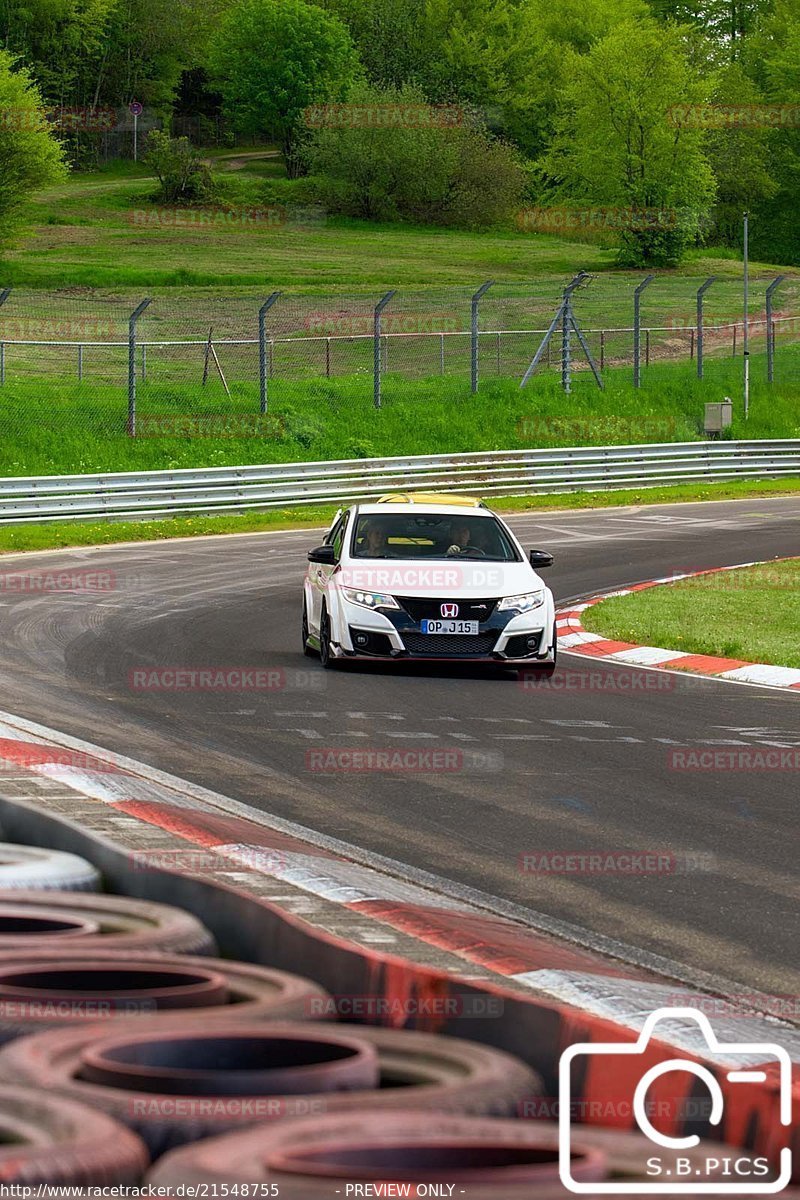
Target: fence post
[[733, 354], [637, 296], [566, 348], [770, 328], [376, 347], [476, 299], [264, 369], [327, 358], [80, 363], [132, 319], [4, 294], [701, 291], [602, 348], [441, 354]]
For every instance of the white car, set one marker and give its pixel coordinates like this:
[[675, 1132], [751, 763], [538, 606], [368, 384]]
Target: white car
[[427, 577]]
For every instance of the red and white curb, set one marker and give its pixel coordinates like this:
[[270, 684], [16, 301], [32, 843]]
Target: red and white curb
[[587, 993], [573, 637], [590, 981]]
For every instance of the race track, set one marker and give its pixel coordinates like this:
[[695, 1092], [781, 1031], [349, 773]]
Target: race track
[[578, 768]]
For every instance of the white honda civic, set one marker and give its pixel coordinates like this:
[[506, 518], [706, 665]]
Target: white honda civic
[[427, 577]]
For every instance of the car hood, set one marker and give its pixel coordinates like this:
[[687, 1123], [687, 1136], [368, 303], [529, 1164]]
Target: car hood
[[442, 578]]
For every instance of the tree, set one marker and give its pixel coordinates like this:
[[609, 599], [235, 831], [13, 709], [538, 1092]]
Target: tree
[[420, 171], [30, 157], [276, 58], [182, 174], [740, 157], [617, 144]]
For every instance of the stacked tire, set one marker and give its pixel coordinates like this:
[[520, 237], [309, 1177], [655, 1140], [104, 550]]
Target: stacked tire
[[172, 1085]]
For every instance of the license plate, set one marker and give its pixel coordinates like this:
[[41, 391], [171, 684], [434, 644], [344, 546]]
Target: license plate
[[462, 627]]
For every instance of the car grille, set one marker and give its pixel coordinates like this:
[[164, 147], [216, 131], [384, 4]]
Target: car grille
[[468, 610], [445, 645]]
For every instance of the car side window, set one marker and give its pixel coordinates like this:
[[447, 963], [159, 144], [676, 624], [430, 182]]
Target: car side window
[[336, 535]]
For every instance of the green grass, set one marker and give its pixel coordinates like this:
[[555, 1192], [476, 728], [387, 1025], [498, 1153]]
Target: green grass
[[57, 427], [14, 539], [752, 614], [81, 235]]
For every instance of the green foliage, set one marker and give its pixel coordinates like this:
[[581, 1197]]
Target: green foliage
[[616, 145], [437, 174], [183, 176], [275, 58], [30, 157]]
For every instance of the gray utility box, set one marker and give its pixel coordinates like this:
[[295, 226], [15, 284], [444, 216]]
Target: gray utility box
[[718, 416]]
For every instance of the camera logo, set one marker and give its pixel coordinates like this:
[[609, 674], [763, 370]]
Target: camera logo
[[670, 1171]]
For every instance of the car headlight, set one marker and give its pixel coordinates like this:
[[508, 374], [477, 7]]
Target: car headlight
[[522, 603], [373, 600]]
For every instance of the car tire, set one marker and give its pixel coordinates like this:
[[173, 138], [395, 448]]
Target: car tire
[[46, 1139], [61, 990], [309, 653], [303, 1159], [45, 921], [307, 1159], [325, 656], [32, 868], [425, 1071]]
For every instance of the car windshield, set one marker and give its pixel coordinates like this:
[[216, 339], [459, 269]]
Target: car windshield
[[431, 535]]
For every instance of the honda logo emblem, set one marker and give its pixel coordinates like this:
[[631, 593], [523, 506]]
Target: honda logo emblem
[[449, 610]]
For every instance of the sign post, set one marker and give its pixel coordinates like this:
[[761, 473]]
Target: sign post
[[136, 110]]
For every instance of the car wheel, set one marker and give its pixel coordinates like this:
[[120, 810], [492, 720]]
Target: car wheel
[[309, 653], [325, 656]]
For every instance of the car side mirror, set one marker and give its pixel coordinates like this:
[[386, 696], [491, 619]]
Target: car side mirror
[[539, 559], [323, 554]]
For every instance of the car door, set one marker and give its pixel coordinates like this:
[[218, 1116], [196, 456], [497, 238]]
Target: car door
[[320, 573]]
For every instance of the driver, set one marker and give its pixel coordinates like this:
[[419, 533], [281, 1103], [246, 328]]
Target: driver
[[375, 544], [461, 539]]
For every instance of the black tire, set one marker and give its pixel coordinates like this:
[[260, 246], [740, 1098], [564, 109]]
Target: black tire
[[43, 921], [325, 657], [421, 1070], [309, 653], [67, 988], [500, 1160], [49, 1140]]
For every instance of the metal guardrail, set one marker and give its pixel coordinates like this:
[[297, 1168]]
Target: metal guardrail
[[507, 472]]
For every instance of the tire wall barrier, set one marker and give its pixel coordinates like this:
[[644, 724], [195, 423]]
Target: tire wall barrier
[[534, 1028]]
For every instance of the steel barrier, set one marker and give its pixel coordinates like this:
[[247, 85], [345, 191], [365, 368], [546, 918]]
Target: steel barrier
[[504, 472]]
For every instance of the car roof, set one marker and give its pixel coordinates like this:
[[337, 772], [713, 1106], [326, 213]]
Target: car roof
[[451, 499], [436, 508]]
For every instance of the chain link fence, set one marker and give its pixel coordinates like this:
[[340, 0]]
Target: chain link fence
[[141, 366]]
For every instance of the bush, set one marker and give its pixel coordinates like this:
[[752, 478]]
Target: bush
[[454, 174], [182, 175], [30, 156]]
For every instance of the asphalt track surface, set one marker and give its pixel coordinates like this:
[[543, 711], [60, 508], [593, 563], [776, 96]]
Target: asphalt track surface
[[568, 767]]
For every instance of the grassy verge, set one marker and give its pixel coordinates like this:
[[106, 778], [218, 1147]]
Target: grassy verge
[[55, 536], [751, 614], [90, 232], [55, 426]]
